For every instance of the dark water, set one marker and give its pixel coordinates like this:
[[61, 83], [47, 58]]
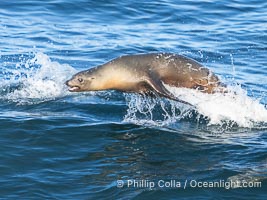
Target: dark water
[[59, 145]]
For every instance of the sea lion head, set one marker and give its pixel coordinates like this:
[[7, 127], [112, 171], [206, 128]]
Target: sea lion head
[[82, 81]]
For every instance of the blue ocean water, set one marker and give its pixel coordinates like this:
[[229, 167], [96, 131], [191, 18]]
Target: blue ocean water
[[107, 145]]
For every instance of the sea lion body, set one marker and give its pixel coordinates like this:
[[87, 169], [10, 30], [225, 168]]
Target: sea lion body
[[145, 73]]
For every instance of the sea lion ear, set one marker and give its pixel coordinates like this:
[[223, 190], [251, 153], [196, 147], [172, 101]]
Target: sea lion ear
[[160, 89]]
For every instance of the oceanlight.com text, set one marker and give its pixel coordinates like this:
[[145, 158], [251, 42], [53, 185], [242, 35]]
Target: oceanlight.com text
[[180, 184]]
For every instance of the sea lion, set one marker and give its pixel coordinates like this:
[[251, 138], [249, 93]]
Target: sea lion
[[146, 73]]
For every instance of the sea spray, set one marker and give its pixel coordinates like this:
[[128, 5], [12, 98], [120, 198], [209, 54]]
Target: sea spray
[[144, 110], [223, 109], [41, 80]]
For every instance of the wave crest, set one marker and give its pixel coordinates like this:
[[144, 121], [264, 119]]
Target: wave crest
[[40, 80], [223, 109]]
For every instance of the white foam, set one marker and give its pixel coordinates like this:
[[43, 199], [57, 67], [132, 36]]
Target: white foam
[[219, 108], [44, 83], [234, 106]]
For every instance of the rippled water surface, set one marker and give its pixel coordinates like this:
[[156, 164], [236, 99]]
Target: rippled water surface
[[60, 145]]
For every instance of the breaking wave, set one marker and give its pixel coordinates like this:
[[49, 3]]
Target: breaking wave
[[38, 79], [235, 108], [35, 80]]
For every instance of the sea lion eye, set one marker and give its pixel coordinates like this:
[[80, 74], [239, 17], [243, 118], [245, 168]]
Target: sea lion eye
[[80, 80]]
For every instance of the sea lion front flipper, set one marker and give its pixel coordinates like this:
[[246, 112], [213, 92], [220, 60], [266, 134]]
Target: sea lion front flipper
[[160, 89]]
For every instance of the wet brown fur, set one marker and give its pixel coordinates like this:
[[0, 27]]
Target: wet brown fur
[[146, 72]]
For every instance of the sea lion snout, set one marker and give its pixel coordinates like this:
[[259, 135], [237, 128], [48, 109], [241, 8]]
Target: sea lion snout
[[67, 83], [73, 86]]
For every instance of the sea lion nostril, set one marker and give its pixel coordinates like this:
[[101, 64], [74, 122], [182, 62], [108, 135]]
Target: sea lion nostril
[[67, 83]]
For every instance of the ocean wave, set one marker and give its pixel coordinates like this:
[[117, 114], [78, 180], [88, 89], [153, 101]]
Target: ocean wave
[[39, 80], [234, 108]]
